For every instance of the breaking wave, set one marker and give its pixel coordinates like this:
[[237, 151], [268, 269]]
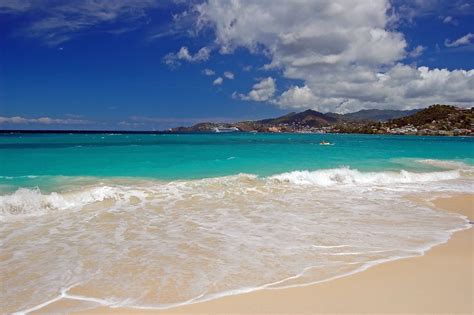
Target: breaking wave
[[31, 202], [347, 176]]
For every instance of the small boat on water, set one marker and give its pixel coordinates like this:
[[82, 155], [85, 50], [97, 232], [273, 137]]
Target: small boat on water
[[325, 143], [225, 129]]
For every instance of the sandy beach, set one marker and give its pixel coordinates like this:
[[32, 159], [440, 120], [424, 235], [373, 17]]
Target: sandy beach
[[441, 281]]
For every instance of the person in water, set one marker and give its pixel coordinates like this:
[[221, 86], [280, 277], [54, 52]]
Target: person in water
[[325, 143]]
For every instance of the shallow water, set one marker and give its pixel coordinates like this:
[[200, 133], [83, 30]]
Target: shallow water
[[148, 241], [38, 160]]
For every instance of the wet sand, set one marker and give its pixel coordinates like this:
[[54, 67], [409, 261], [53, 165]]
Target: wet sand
[[441, 281]]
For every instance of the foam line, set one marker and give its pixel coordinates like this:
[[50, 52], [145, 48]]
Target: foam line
[[330, 246], [203, 298], [379, 261], [359, 253], [40, 306], [268, 286]]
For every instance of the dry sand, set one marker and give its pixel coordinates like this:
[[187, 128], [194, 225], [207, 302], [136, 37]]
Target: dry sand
[[441, 281]]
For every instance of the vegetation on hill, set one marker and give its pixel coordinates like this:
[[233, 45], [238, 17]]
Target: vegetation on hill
[[444, 117], [377, 115], [309, 118], [436, 119]]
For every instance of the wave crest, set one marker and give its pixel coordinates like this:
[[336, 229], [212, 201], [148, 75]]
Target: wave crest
[[27, 202], [31, 202], [347, 176]]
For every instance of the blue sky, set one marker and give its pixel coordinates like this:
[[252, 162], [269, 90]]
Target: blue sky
[[145, 64]]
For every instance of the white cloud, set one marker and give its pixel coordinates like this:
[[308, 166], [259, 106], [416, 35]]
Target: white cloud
[[409, 10], [345, 52], [450, 20], [299, 97], [208, 72], [55, 22], [261, 91], [402, 87], [10, 6], [308, 31], [218, 81], [464, 40], [174, 59], [229, 75], [42, 120], [13, 120], [201, 55], [417, 51], [182, 24]]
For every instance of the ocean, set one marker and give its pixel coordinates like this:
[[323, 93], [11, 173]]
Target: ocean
[[154, 221]]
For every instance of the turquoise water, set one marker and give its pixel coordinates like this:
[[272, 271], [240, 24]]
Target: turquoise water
[[35, 159], [157, 221]]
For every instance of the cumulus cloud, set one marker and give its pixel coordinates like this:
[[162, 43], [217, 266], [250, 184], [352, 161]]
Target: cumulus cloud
[[345, 52], [208, 72], [296, 96], [218, 81], [464, 40], [42, 120], [406, 86], [229, 75], [261, 91], [174, 59], [308, 32]]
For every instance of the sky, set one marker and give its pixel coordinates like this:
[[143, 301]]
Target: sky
[[153, 65]]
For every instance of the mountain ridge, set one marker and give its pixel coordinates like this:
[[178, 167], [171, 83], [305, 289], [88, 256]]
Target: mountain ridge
[[309, 117], [435, 119]]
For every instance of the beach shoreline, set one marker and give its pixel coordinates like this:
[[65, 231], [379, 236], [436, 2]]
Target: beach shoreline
[[440, 281]]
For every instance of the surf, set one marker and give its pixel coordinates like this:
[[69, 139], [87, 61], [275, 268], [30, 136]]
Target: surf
[[31, 201], [187, 241]]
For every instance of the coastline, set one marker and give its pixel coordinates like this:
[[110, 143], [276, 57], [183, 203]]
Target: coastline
[[166, 132], [440, 281]]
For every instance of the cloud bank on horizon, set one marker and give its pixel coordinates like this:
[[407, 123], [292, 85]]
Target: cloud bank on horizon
[[327, 55]]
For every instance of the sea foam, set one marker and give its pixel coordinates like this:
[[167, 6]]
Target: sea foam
[[188, 241], [347, 176], [32, 202]]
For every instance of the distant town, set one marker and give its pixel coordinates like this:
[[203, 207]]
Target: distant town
[[445, 120]]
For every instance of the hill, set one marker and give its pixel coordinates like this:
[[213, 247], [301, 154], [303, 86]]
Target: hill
[[434, 120], [309, 118], [443, 117], [287, 123], [313, 118], [377, 114]]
